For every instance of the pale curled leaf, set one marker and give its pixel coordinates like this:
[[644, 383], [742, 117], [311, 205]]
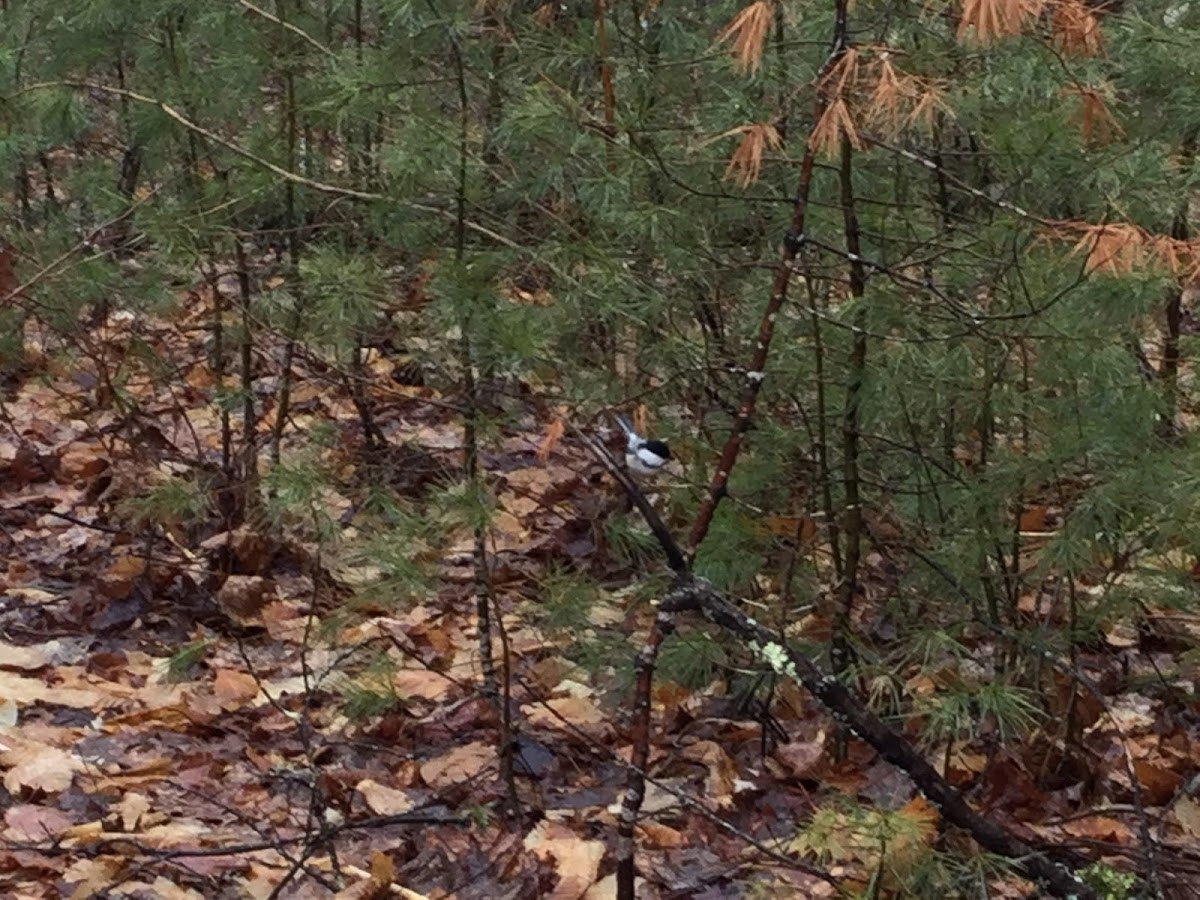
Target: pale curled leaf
[[383, 800], [576, 861]]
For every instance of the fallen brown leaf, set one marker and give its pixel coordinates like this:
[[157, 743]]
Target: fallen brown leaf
[[383, 800], [31, 822], [27, 658], [459, 765], [35, 766], [577, 861], [801, 757], [234, 689], [722, 773]]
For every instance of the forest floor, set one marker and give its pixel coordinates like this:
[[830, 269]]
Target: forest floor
[[187, 710]]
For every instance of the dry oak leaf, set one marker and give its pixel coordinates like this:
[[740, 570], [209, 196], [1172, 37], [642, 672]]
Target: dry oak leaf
[[964, 764], [508, 532], [721, 781], [132, 808], [242, 597], [79, 462], [147, 772], [662, 795], [656, 834], [94, 876], [36, 766], [16, 657], [383, 800], [30, 822], [285, 622], [1158, 782], [1100, 828], [1187, 814], [1121, 634], [576, 861], [567, 713], [531, 489], [800, 757], [117, 581], [173, 715], [423, 684], [459, 765], [248, 546], [234, 689], [114, 693]]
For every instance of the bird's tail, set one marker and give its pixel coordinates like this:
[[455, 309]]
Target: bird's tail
[[625, 425]]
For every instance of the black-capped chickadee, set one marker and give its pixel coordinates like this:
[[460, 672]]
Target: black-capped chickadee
[[642, 456]]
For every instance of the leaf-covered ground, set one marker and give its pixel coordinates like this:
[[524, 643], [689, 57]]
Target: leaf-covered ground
[[190, 710]]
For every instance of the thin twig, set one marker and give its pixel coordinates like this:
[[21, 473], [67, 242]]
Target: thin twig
[[296, 30]]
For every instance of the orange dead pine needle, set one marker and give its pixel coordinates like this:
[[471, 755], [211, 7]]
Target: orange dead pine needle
[[1095, 115], [1189, 251], [1171, 253], [1076, 31], [842, 75], [930, 100], [836, 85], [1114, 249], [899, 100], [746, 161], [885, 109], [991, 20], [834, 122], [746, 33], [1180, 257]]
